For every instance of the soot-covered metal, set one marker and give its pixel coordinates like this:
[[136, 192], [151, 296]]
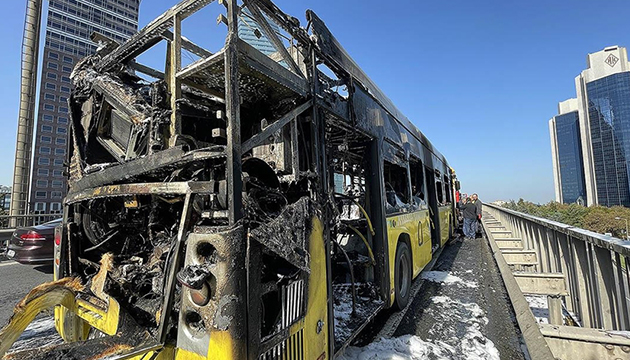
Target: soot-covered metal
[[194, 192]]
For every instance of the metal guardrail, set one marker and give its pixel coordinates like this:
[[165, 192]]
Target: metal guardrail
[[14, 221], [595, 266]]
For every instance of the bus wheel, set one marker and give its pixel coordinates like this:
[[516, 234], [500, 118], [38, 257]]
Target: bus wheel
[[402, 275]]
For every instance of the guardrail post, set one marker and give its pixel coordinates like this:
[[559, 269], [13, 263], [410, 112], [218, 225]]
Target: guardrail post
[[605, 288], [554, 302], [579, 256], [622, 292]]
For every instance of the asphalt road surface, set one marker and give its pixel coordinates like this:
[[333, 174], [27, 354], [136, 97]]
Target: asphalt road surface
[[463, 306], [16, 280]]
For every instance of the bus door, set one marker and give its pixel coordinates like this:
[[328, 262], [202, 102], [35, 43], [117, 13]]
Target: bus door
[[433, 208]]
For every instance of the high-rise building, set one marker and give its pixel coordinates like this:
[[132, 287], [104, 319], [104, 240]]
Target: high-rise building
[[566, 153], [603, 94], [250, 32], [69, 26]]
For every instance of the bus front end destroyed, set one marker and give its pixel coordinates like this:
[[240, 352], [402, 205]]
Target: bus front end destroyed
[[247, 204]]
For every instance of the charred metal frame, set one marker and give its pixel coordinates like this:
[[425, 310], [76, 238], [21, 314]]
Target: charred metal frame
[[365, 110]]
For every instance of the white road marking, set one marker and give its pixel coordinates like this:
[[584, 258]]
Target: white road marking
[[10, 262]]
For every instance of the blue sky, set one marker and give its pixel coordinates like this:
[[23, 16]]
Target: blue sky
[[480, 78]]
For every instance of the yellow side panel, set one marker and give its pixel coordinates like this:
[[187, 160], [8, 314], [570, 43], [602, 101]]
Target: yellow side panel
[[316, 307], [421, 245], [186, 355], [416, 226], [445, 220], [222, 346]]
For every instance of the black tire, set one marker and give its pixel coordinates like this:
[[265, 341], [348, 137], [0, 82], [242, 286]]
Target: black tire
[[402, 275]]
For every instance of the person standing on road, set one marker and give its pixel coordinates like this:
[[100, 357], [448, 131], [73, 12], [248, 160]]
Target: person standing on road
[[475, 200], [469, 211]]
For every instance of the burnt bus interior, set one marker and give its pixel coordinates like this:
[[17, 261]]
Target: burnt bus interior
[[193, 189]]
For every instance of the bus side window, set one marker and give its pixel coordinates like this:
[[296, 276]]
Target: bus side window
[[396, 188], [417, 183], [447, 189], [440, 191]]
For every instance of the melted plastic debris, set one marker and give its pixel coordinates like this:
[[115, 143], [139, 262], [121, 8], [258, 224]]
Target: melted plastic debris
[[446, 278], [464, 340]]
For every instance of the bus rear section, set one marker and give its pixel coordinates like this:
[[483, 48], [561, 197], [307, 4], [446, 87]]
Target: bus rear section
[[244, 205]]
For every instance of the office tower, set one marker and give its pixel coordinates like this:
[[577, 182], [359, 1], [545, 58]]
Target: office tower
[[566, 153], [69, 26], [250, 32], [603, 94]]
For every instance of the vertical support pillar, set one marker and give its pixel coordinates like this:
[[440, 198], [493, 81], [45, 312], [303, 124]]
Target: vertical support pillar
[[555, 309], [175, 89], [564, 258], [26, 115], [602, 261], [321, 166], [622, 293], [233, 112], [579, 257]]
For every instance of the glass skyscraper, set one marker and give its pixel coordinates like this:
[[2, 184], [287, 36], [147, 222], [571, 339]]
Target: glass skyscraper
[[603, 91], [69, 26], [250, 32], [567, 154], [609, 123]]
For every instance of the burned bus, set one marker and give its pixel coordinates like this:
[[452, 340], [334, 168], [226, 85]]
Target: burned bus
[[247, 205]]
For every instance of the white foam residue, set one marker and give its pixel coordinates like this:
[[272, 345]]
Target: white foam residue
[[473, 345], [446, 278], [538, 306], [406, 347]]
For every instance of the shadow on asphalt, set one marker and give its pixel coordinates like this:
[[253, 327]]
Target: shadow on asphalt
[[44, 268]]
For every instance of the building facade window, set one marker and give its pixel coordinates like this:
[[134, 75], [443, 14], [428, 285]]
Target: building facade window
[[61, 130], [48, 117], [49, 107], [42, 183], [52, 65], [55, 195], [50, 97], [570, 158], [51, 76], [44, 150], [57, 173], [42, 172], [43, 161], [40, 194], [45, 139], [52, 55], [60, 141], [609, 121], [60, 151], [58, 162], [57, 183], [47, 128]]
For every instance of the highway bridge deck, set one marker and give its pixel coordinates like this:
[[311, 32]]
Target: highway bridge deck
[[461, 311]]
